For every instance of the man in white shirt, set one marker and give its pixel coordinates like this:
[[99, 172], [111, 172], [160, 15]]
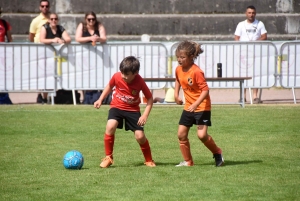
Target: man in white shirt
[[251, 30]]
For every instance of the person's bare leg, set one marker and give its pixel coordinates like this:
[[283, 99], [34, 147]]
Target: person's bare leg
[[255, 92]]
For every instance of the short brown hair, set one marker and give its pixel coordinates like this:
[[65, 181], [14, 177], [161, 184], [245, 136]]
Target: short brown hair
[[130, 64]]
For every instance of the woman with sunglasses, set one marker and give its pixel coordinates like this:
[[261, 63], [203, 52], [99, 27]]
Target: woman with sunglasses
[[90, 30], [51, 32]]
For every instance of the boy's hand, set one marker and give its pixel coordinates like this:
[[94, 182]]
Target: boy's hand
[[142, 121], [97, 104]]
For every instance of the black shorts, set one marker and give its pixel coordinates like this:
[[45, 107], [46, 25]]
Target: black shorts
[[131, 119], [198, 118]]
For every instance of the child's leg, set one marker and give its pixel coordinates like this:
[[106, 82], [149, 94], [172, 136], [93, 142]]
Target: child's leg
[[185, 144], [144, 144], [109, 137], [207, 139]]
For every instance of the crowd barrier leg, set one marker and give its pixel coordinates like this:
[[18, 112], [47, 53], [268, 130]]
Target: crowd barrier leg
[[250, 95], [294, 96], [74, 96], [259, 96], [52, 99]]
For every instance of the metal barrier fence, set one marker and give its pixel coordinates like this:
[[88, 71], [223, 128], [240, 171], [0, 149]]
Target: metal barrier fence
[[289, 66], [91, 67], [239, 59], [29, 67]]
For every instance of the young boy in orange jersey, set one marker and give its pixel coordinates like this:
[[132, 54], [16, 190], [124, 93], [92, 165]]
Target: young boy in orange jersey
[[125, 106], [197, 109]]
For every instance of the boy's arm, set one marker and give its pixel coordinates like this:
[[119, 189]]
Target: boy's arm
[[143, 119], [148, 107], [105, 92]]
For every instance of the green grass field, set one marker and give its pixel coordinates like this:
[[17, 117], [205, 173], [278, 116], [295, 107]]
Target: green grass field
[[261, 147]]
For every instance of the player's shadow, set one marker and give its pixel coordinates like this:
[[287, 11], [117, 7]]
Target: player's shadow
[[230, 162], [227, 163], [84, 168]]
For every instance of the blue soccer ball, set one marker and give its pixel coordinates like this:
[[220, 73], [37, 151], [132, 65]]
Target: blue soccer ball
[[73, 160]]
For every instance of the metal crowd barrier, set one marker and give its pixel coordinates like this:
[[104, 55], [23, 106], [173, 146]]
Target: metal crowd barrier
[[86, 67], [30, 67], [27, 67], [289, 66], [239, 59]]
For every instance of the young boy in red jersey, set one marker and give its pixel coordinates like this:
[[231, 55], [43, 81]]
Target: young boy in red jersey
[[127, 85], [197, 109]]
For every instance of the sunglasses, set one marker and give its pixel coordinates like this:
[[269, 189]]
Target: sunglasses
[[43, 6], [53, 19], [91, 19]]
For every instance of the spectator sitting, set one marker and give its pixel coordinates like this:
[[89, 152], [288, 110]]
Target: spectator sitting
[[51, 32], [90, 30]]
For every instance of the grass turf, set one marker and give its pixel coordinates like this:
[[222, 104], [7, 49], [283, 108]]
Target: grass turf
[[261, 146]]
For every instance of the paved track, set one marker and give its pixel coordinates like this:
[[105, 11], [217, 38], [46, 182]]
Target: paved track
[[269, 96]]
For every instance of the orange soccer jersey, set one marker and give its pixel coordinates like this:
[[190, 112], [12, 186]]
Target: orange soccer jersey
[[193, 83]]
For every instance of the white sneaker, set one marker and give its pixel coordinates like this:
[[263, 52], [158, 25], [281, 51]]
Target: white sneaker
[[185, 163]]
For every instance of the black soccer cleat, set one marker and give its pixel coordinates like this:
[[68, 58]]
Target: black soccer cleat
[[219, 160]]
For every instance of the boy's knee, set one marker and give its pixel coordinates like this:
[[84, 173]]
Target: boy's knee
[[140, 137]]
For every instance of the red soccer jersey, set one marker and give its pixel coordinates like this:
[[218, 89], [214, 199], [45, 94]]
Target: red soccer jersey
[[193, 83], [126, 96], [2, 30]]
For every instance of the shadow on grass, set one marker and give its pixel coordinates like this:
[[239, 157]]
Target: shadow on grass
[[229, 162], [84, 168]]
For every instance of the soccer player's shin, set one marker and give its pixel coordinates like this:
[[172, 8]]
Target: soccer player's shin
[[186, 150], [146, 151], [109, 141], [211, 145]]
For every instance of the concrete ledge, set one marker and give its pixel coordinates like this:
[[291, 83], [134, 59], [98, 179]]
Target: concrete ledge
[[222, 24], [269, 96], [175, 37], [154, 6]]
